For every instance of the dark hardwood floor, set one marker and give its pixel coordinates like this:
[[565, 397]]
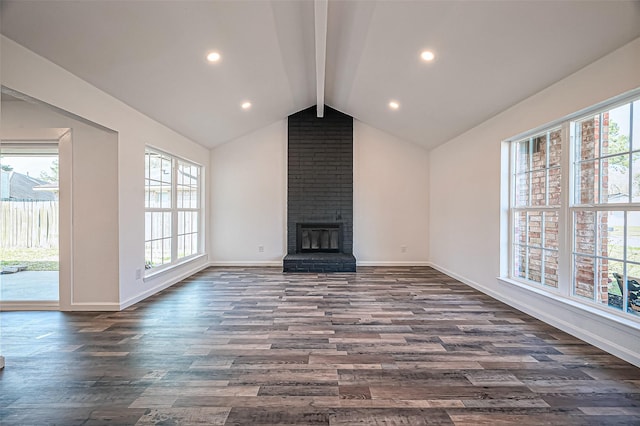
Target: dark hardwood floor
[[243, 346]]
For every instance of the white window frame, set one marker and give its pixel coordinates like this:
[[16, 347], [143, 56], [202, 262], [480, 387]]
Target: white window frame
[[514, 209], [174, 211], [566, 231]]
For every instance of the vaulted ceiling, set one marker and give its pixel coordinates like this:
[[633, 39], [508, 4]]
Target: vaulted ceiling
[[489, 56]]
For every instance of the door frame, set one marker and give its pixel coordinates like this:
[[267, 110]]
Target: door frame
[[65, 173]]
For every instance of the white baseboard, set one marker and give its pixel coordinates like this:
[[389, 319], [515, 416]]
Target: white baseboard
[[102, 307], [392, 263], [250, 263], [246, 263], [164, 284], [605, 331], [29, 306], [55, 306]]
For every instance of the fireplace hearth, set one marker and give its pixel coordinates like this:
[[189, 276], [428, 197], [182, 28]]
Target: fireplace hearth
[[319, 249]]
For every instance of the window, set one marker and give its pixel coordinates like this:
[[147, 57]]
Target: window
[[579, 181], [605, 208], [536, 207], [172, 209]]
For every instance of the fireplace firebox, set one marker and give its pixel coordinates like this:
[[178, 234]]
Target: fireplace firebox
[[319, 237]]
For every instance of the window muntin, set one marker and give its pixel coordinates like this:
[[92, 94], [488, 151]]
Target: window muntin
[[172, 209]]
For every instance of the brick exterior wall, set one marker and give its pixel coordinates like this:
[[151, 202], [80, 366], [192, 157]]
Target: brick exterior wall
[[320, 173]]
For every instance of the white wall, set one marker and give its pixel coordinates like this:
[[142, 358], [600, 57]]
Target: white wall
[[249, 179], [94, 195], [248, 184], [28, 73], [390, 199], [464, 190]]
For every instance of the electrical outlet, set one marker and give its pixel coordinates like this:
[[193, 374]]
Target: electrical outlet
[[138, 273], [260, 249], [403, 249]]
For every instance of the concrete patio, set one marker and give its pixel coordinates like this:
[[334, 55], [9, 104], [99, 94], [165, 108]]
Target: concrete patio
[[29, 286]]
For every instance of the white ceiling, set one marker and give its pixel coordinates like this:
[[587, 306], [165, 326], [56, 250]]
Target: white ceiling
[[490, 55]]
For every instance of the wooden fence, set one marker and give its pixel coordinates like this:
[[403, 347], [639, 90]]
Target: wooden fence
[[26, 224]]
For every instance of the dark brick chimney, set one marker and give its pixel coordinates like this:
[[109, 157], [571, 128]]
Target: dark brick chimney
[[320, 187]]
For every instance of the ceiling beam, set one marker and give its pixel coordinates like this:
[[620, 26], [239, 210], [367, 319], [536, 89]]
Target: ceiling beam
[[320, 13]]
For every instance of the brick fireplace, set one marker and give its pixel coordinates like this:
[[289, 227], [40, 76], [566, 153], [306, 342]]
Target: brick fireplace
[[320, 193]]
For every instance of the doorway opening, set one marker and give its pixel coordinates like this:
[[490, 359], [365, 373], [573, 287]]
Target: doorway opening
[[29, 222]]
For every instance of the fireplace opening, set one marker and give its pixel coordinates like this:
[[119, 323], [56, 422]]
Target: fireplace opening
[[319, 238]]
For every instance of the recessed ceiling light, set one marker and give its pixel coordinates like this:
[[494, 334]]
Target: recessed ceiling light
[[246, 105], [213, 57], [427, 56], [394, 105]]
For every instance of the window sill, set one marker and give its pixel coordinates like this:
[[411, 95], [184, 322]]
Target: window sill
[[590, 308], [156, 272]]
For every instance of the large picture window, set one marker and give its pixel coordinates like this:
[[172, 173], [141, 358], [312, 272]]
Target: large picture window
[[172, 209], [579, 182]]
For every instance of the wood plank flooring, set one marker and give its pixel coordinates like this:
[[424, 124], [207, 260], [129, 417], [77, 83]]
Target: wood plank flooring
[[243, 346]]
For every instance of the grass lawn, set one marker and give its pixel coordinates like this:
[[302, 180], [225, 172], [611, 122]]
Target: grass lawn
[[615, 249], [613, 288], [36, 259]]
